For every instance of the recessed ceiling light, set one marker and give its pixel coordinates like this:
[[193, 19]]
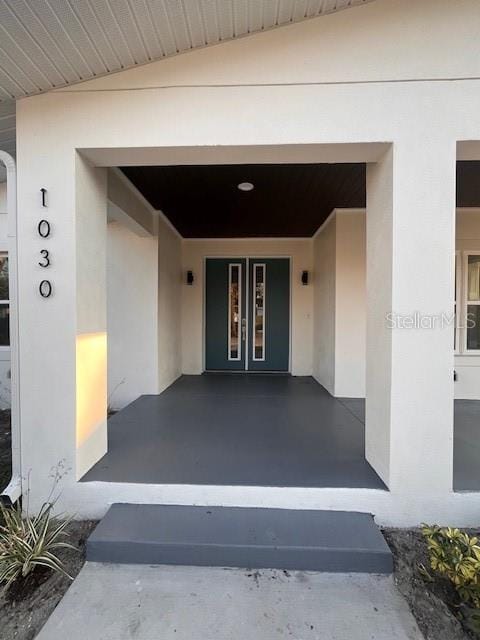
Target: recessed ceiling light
[[245, 186]]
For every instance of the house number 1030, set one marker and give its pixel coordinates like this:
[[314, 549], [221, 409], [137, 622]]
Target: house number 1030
[[44, 230]]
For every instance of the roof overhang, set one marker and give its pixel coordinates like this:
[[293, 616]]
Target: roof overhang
[[48, 45]]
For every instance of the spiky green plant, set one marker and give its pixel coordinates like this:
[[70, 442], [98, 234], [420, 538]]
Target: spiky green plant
[[456, 556], [29, 542]]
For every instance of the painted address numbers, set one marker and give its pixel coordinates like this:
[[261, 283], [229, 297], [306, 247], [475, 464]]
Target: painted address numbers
[[44, 230]]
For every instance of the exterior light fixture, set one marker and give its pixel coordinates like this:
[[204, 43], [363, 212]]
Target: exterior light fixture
[[245, 186], [305, 278], [190, 277]]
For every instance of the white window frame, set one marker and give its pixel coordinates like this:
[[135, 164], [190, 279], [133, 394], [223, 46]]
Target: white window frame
[[458, 303], [466, 303]]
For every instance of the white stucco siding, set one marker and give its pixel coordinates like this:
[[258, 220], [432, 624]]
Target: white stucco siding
[[324, 252], [194, 254], [410, 35], [351, 303], [169, 306], [270, 116], [347, 275], [132, 301]]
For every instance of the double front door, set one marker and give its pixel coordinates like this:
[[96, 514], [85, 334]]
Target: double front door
[[247, 314]]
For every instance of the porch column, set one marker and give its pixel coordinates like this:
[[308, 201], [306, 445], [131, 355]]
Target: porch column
[[62, 327], [410, 274], [91, 299]]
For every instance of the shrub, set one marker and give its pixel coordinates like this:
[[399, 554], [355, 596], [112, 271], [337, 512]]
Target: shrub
[[456, 556], [29, 543]]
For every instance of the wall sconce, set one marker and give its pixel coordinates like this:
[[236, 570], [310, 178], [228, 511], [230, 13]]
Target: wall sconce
[[190, 277], [304, 278]]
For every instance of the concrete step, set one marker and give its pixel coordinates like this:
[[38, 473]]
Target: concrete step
[[336, 541]]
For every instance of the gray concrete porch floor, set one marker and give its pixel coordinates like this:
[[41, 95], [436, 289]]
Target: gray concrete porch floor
[[266, 430], [116, 602], [466, 440], [225, 429]]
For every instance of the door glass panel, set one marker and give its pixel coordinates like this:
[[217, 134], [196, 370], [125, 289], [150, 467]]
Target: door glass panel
[[234, 293], [259, 312]]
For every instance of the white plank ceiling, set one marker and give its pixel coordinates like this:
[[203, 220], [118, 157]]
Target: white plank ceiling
[[46, 44]]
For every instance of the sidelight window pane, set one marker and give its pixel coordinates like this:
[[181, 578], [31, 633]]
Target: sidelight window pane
[[473, 326], [473, 291], [234, 293], [259, 312]]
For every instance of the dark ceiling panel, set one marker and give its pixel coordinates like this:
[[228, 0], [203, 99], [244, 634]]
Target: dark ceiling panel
[[468, 183], [287, 201]]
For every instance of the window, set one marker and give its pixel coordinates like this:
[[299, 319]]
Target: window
[[458, 285], [467, 303], [472, 301], [4, 302]]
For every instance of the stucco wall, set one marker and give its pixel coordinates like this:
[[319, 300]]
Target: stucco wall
[[342, 369], [169, 306], [324, 272], [279, 96], [194, 253], [132, 302], [350, 296]]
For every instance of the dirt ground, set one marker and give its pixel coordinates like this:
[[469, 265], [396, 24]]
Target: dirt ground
[[5, 449], [24, 612], [433, 603]]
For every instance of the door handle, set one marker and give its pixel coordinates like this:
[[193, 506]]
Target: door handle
[[244, 329]]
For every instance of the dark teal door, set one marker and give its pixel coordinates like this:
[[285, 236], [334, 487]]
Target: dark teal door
[[225, 314], [269, 314], [247, 314]]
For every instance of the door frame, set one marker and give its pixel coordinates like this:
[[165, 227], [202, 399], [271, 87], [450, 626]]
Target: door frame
[[247, 257]]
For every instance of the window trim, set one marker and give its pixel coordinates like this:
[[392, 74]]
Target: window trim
[[465, 351], [458, 306]]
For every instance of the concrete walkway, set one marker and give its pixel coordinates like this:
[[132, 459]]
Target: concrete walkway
[[119, 602]]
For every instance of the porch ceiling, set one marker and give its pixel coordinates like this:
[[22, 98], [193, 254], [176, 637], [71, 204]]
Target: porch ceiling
[[288, 200]]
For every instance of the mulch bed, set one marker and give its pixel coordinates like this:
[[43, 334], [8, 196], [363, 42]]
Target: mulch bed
[[25, 608], [434, 603]]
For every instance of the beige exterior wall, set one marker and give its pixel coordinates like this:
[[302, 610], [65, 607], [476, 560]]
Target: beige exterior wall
[[132, 302], [324, 256], [340, 307], [296, 94], [169, 306], [194, 253], [351, 304]]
